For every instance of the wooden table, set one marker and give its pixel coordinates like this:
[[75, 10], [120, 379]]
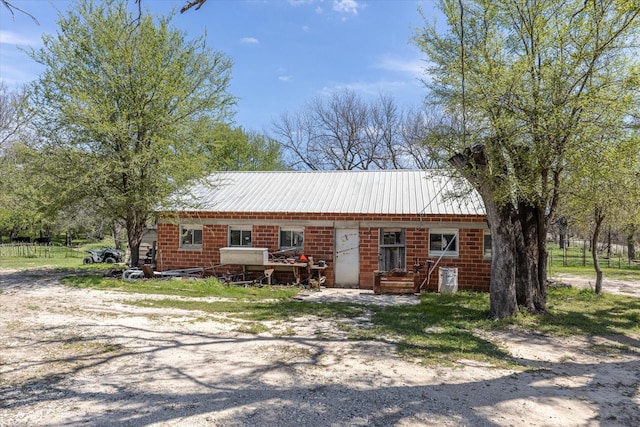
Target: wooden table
[[293, 267], [314, 271]]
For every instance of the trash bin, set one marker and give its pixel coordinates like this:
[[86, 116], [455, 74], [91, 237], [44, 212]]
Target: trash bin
[[447, 280]]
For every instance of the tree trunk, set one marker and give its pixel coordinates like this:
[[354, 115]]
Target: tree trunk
[[563, 228], [503, 302], [526, 258], [135, 224], [531, 256], [631, 245], [115, 232], [543, 256], [15, 231], [598, 218], [502, 225]]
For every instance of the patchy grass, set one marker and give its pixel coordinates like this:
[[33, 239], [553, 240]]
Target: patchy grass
[[583, 312], [252, 328], [32, 263], [259, 311], [182, 287], [442, 329]]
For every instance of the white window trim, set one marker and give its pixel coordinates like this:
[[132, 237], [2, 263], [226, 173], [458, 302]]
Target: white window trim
[[295, 229], [240, 228], [448, 253], [193, 247]]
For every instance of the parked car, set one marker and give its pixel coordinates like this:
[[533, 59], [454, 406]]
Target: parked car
[[108, 255]]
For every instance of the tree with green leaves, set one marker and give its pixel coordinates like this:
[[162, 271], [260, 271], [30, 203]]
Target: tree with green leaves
[[608, 193], [234, 149], [123, 109], [19, 214], [529, 81]]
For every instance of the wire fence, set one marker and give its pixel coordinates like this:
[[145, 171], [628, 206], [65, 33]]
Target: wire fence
[[34, 250], [581, 257]]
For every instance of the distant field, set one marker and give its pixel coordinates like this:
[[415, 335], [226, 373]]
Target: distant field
[[31, 256]]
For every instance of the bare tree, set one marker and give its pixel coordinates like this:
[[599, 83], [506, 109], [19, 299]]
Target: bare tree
[[295, 132], [383, 133], [345, 132], [340, 125], [417, 131], [13, 9], [195, 3]]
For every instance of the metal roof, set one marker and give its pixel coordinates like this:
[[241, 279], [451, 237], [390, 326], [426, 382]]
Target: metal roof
[[403, 192]]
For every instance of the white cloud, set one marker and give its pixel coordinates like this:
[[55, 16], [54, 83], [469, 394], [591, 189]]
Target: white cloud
[[415, 67], [366, 88], [249, 40], [339, 6], [10, 37], [285, 78], [347, 6]]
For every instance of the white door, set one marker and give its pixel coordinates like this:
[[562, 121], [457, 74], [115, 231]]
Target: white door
[[347, 258]]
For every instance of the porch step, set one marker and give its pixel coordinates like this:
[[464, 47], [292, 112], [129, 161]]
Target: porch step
[[394, 283]]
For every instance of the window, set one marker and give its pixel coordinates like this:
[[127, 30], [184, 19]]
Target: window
[[392, 249], [239, 236], [443, 242], [291, 238], [486, 245], [191, 236]]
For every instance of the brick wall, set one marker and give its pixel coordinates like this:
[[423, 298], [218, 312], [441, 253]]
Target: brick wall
[[473, 269], [369, 255]]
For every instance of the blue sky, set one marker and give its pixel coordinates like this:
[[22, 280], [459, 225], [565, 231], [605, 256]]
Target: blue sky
[[285, 52]]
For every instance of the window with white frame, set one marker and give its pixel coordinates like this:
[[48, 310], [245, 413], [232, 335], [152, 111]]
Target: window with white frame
[[191, 236], [240, 236], [486, 244], [443, 242], [291, 238]]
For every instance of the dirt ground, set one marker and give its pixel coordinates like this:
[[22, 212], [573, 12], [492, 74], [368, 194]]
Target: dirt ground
[[83, 357]]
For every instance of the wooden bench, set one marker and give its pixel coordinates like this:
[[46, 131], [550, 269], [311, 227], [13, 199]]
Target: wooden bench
[[385, 282]]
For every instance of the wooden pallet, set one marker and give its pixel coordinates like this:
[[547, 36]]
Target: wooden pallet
[[394, 283]]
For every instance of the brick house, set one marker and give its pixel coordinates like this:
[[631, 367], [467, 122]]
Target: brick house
[[357, 221]]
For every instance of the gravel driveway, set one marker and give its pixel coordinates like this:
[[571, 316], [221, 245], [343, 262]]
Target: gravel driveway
[[83, 357]]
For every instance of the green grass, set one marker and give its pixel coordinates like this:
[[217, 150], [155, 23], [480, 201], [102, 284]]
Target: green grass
[[442, 329], [53, 257], [181, 287], [631, 274], [31, 263], [578, 262], [262, 310]]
